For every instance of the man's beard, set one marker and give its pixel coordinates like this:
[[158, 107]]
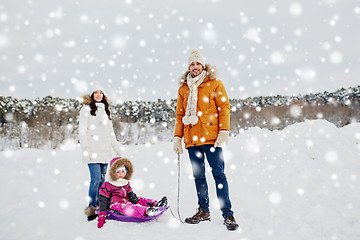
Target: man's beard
[[193, 74]]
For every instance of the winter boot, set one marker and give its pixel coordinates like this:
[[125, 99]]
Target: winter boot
[[230, 223], [200, 215], [162, 202], [152, 211], [90, 213]]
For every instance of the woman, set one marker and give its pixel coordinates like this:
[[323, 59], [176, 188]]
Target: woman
[[97, 140]]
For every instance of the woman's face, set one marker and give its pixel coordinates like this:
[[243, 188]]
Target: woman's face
[[98, 95]]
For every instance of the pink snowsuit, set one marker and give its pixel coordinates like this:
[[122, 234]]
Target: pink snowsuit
[[118, 197]]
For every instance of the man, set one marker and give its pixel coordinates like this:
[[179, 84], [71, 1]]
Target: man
[[203, 119]]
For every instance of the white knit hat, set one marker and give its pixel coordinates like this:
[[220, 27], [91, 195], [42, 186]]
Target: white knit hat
[[122, 168], [94, 86], [196, 57]]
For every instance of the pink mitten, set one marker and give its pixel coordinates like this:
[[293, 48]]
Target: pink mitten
[[101, 219]]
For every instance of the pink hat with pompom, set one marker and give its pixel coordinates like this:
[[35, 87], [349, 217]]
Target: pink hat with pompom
[[114, 160]]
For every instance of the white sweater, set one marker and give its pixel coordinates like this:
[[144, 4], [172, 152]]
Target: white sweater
[[96, 135]]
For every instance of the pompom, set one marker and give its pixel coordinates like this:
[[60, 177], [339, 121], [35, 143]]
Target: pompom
[[185, 120], [195, 51], [193, 120], [190, 120]]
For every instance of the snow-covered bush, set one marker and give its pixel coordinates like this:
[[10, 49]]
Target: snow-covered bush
[[47, 122]]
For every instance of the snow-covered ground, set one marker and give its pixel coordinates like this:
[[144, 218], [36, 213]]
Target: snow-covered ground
[[298, 183]]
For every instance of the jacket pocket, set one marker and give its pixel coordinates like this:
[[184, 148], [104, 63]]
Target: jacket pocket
[[210, 125]]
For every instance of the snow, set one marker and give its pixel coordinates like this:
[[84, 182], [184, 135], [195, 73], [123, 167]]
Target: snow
[[298, 183], [134, 47]]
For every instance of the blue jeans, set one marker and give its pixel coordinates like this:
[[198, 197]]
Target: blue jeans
[[215, 159], [97, 178]]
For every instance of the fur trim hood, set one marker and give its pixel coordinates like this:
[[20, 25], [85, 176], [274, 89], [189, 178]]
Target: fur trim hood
[[210, 69], [87, 99], [118, 162]]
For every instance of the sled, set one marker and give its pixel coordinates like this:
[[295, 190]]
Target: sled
[[112, 215]]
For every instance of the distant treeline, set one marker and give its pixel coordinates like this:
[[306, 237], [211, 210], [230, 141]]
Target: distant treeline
[[48, 121]]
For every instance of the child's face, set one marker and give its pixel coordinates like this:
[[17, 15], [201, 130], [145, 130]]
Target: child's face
[[120, 174]]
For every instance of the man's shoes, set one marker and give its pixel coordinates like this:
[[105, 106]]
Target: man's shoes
[[230, 223], [200, 215]]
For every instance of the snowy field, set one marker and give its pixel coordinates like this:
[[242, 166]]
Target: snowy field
[[298, 183]]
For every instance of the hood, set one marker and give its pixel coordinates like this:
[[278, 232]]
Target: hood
[[210, 69], [118, 162], [87, 99]]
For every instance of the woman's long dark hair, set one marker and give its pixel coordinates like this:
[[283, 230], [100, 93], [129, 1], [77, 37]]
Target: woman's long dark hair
[[93, 106]]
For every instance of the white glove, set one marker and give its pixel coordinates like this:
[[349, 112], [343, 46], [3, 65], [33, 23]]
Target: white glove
[[177, 145], [222, 139]]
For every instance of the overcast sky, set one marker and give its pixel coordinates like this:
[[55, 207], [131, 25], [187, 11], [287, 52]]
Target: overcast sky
[[136, 50]]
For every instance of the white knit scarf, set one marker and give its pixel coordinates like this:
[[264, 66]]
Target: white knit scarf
[[101, 115], [193, 83], [119, 183]]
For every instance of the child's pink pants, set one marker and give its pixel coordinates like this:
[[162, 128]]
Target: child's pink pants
[[135, 210]]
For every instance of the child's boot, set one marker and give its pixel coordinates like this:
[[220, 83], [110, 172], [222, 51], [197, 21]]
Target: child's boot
[[101, 219], [152, 211], [162, 202]]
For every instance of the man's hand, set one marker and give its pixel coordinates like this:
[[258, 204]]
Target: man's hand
[[222, 139], [177, 145]]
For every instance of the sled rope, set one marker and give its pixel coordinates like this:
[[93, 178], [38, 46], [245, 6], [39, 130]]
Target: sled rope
[[178, 194]]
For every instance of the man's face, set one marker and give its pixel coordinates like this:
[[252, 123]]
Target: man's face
[[195, 69]]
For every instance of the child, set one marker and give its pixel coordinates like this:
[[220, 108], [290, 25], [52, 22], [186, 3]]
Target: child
[[116, 194]]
